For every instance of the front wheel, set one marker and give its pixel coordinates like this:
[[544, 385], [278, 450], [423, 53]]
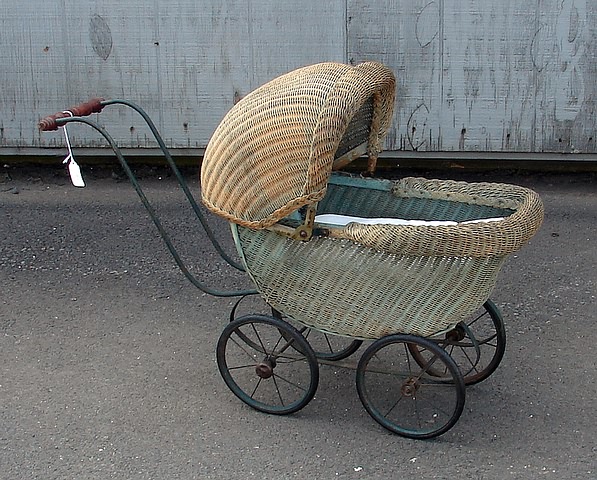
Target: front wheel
[[267, 364], [403, 396]]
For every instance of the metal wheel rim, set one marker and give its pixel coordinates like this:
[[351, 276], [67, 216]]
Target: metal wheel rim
[[409, 391], [497, 341], [254, 354]]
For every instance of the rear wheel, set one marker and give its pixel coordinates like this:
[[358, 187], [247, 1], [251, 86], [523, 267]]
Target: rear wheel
[[267, 364], [325, 345], [403, 396], [476, 345]]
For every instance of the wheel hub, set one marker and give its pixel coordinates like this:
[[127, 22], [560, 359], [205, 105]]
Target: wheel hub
[[265, 369], [410, 387], [456, 335]]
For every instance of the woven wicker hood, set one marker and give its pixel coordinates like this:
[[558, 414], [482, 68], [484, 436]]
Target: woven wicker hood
[[274, 150]]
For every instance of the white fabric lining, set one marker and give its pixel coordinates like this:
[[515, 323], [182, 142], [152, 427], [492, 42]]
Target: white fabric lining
[[343, 220]]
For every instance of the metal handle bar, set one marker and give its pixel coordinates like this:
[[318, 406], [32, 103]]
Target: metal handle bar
[[59, 121], [179, 178]]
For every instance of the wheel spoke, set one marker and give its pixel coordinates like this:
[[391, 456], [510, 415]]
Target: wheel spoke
[[242, 347], [387, 414], [240, 367], [407, 358], [289, 360], [402, 395], [479, 317], [284, 379], [425, 368], [327, 340], [256, 387], [278, 390], [258, 337], [470, 360], [267, 364]]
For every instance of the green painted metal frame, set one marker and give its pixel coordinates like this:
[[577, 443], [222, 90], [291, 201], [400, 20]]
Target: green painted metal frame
[[152, 213]]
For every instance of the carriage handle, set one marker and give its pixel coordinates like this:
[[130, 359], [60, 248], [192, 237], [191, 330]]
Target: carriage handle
[[96, 105]]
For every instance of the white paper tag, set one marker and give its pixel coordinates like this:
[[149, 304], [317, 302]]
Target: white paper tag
[[73, 168], [75, 173]]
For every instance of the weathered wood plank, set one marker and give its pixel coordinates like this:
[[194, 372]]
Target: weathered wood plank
[[473, 75], [477, 75], [184, 61]]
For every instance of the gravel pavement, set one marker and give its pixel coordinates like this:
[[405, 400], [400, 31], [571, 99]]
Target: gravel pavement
[[108, 352]]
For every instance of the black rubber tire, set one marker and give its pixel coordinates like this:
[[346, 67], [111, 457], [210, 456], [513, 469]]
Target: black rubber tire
[[401, 396], [264, 361]]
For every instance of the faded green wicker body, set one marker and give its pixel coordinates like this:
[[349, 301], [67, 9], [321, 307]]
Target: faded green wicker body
[[340, 286]]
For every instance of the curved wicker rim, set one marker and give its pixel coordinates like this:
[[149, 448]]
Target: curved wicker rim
[[479, 240]]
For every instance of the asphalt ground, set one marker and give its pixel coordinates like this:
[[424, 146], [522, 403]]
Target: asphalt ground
[[108, 352]]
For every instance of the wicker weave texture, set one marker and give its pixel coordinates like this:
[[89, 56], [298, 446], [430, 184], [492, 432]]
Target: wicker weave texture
[[394, 279], [463, 240], [347, 289], [273, 152]]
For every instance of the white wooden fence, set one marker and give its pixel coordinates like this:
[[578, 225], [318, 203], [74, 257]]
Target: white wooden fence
[[473, 75]]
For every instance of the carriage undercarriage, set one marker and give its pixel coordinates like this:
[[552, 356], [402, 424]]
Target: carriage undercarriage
[[411, 385]]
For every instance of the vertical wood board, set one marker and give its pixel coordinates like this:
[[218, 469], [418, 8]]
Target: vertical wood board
[[476, 75], [184, 61], [473, 75]]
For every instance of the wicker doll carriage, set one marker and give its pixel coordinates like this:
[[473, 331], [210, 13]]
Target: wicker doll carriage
[[404, 263]]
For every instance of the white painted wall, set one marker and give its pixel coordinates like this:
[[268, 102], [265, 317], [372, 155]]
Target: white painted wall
[[484, 75], [474, 75]]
